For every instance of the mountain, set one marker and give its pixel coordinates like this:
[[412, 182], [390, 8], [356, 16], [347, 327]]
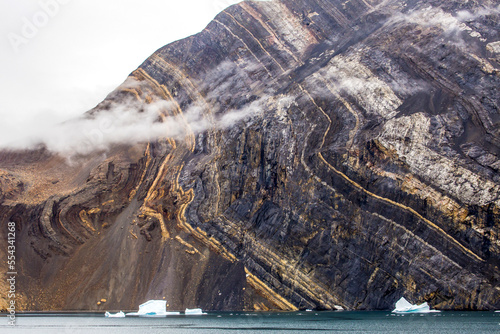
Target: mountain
[[321, 154]]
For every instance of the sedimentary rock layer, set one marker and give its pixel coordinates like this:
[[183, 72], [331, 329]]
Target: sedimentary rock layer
[[328, 154]]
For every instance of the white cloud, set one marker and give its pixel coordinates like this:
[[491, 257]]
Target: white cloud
[[429, 17], [230, 118], [129, 120], [450, 23], [84, 51], [466, 15]]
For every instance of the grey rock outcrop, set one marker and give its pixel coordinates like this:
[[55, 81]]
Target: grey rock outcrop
[[332, 154]]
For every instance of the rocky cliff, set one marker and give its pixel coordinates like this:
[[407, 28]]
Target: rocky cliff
[[326, 154]]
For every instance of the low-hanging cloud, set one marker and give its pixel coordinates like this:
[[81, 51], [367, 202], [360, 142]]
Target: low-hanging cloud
[[130, 120], [465, 15], [434, 16], [123, 123], [450, 23]]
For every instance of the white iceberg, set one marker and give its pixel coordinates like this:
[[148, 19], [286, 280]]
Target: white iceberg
[[153, 308], [172, 313], [194, 311], [404, 306], [114, 315]]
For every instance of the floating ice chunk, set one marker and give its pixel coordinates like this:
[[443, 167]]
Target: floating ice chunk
[[114, 315], [172, 313], [404, 306], [194, 311], [153, 308]]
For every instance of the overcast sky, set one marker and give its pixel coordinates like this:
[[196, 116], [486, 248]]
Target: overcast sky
[[59, 58]]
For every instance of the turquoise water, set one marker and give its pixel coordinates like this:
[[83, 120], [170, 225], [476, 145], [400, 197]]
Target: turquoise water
[[240, 322]]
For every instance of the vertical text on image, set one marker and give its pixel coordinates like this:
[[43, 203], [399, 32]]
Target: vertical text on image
[[12, 272]]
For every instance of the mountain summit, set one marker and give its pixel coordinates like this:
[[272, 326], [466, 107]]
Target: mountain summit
[[314, 154]]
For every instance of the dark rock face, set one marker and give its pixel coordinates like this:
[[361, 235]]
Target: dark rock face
[[348, 156]]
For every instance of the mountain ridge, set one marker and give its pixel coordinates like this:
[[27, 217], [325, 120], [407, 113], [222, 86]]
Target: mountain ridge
[[328, 155]]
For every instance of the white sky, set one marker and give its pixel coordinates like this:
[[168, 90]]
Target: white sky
[[82, 50]]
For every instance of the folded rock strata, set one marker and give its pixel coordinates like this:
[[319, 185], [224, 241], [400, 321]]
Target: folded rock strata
[[345, 153]]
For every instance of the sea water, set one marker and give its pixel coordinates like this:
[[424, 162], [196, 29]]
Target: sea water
[[253, 322]]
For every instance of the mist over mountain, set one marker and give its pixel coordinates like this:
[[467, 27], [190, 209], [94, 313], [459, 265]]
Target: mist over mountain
[[305, 154]]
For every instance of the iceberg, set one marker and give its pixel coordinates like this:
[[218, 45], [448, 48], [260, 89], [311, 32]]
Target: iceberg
[[404, 306], [194, 311], [153, 308], [114, 315]]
